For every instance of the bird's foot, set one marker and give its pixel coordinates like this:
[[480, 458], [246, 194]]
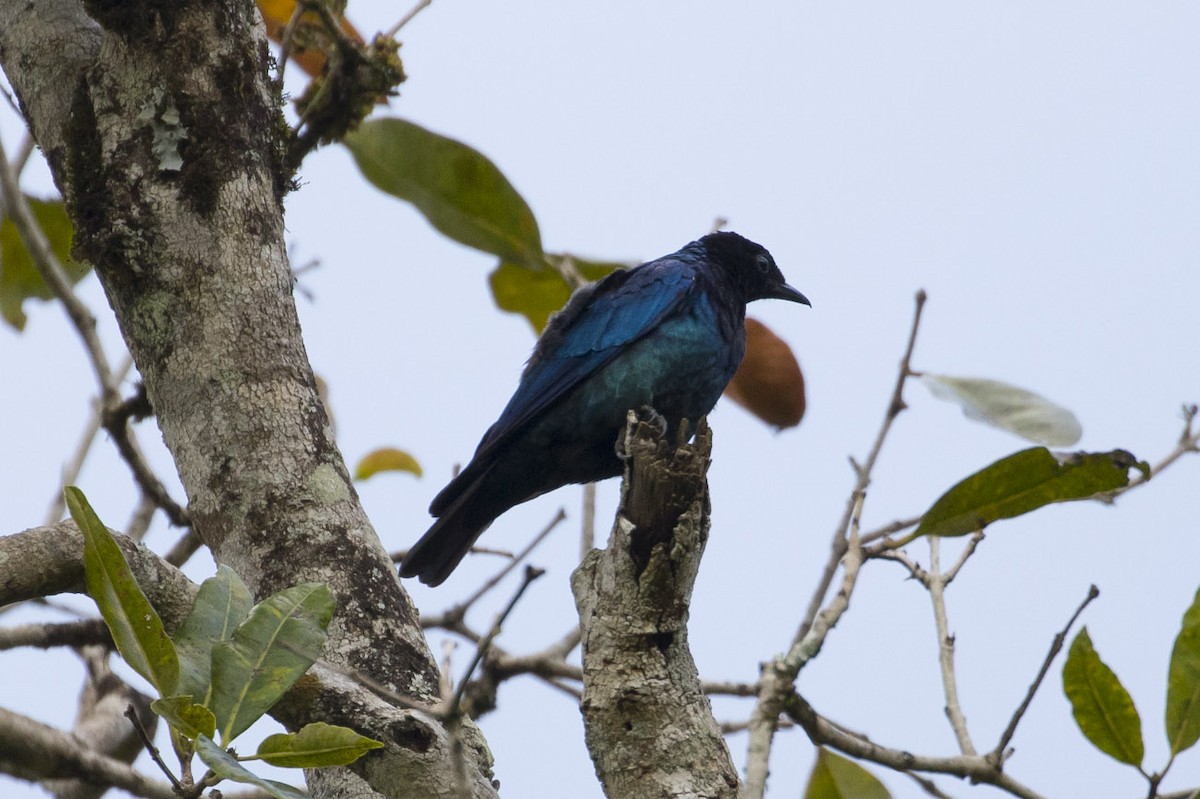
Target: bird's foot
[[644, 415]]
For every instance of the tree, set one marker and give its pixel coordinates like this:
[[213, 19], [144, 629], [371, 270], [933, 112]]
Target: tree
[[191, 255]]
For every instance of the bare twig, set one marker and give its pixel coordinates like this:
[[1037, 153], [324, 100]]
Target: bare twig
[[902, 557], [936, 585], [70, 473], [55, 276], [927, 785], [976, 768], [998, 754], [568, 270], [531, 574], [47, 634], [111, 410], [888, 529], [779, 676], [1187, 793], [14, 105], [131, 714], [810, 645], [407, 18], [972, 544], [139, 521], [587, 522], [56, 754], [547, 664], [1189, 441], [563, 647], [24, 150], [116, 420], [734, 727], [286, 40], [863, 473], [459, 611], [445, 686], [187, 545], [721, 688]]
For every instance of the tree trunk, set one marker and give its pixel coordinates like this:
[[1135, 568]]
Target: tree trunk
[[166, 137]]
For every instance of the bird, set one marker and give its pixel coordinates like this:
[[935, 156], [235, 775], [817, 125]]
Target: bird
[[668, 334]]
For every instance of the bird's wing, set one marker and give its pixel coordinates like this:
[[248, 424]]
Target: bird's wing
[[595, 326]]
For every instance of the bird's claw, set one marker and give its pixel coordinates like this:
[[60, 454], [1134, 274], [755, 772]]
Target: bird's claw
[[645, 415], [649, 416]]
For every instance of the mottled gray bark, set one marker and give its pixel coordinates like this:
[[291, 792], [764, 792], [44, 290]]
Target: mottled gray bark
[[650, 728], [166, 137]]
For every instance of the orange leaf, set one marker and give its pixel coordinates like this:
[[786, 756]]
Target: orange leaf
[[769, 383], [277, 13]]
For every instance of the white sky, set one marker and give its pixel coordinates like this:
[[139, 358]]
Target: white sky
[[1033, 166]]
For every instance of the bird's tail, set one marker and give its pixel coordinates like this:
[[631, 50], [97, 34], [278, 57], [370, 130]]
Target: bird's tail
[[469, 511], [441, 548]]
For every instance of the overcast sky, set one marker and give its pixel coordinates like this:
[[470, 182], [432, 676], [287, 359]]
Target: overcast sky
[[1033, 166]]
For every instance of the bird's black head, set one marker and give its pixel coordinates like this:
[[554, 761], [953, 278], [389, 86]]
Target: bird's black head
[[750, 268]]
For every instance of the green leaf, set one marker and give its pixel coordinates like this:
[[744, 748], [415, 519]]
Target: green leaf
[[836, 777], [1102, 707], [186, 717], [133, 622], [19, 279], [459, 191], [268, 653], [222, 603], [1022, 482], [316, 745], [386, 459], [224, 765], [538, 294], [1010, 408], [1183, 683]]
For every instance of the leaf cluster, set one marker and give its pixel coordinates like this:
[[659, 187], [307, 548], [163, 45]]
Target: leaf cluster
[[1105, 711], [227, 665]]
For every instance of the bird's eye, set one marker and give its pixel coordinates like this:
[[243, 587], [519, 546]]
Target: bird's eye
[[763, 262]]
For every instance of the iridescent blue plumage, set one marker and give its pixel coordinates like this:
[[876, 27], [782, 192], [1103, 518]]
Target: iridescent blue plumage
[[668, 334]]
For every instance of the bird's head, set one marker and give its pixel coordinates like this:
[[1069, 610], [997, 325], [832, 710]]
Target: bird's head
[[750, 268]]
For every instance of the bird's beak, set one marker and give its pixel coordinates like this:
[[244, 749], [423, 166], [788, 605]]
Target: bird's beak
[[786, 292]]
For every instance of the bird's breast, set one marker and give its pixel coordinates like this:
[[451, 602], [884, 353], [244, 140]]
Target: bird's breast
[[679, 369]]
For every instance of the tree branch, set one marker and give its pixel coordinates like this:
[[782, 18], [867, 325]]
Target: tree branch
[[44, 636], [779, 676], [936, 584], [102, 725], [1000, 752], [55, 276], [649, 727], [976, 768], [34, 751], [863, 473], [54, 565]]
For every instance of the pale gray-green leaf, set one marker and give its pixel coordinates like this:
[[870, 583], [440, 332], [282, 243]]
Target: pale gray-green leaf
[[1008, 407]]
